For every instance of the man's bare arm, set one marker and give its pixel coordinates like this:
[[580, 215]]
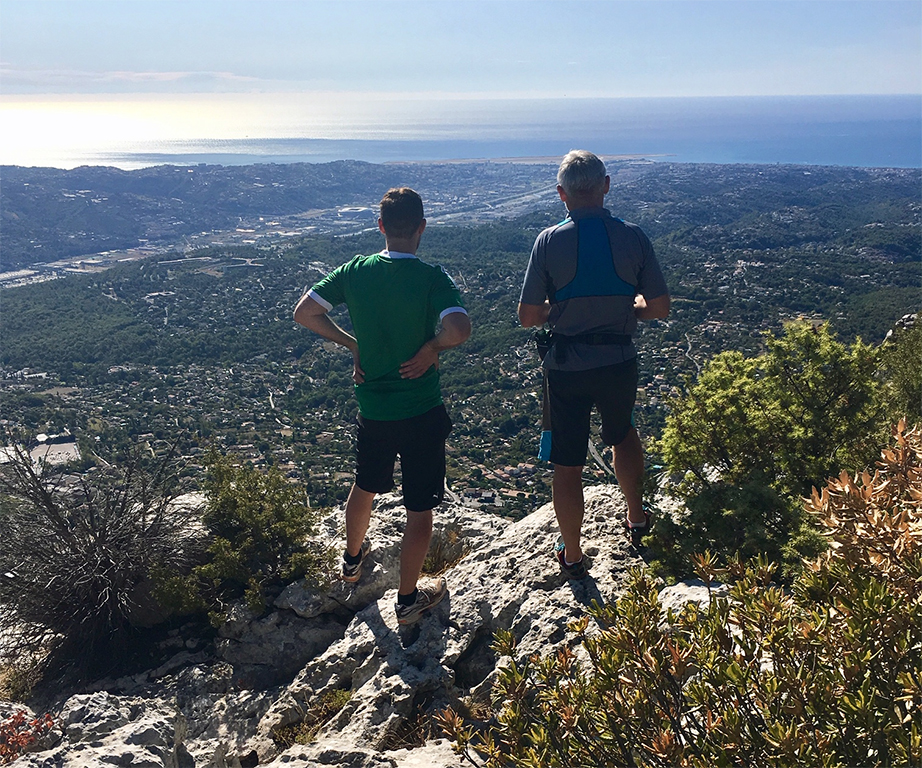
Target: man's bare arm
[[531, 315], [651, 309], [455, 330], [313, 316]]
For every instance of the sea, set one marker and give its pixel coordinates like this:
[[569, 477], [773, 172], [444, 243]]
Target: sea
[[864, 131]]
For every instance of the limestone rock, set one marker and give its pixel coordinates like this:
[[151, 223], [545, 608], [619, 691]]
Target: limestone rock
[[509, 580], [102, 729], [677, 596], [269, 672]]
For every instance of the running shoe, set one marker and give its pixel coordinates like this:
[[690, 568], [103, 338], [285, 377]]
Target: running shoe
[[637, 531], [427, 597], [579, 570], [353, 572]]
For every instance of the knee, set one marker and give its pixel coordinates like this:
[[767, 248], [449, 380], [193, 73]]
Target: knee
[[564, 472], [419, 523], [629, 443]]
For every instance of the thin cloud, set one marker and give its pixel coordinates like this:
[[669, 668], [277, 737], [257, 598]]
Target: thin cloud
[[18, 80]]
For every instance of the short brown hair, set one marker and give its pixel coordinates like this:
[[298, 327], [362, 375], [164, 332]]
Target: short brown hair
[[401, 212]]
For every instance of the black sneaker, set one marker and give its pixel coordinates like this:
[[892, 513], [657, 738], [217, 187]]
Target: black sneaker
[[579, 570], [353, 572], [427, 597], [638, 531]]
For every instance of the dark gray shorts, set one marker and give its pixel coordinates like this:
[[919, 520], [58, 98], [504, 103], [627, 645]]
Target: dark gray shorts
[[572, 395], [420, 443]]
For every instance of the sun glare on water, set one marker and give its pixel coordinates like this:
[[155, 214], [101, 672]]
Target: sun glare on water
[[70, 131], [75, 131]]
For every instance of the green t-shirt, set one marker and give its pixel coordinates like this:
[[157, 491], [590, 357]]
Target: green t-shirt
[[395, 302]]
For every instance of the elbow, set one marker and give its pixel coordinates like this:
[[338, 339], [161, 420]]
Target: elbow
[[463, 331], [456, 329], [658, 308], [523, 315], [305, 310], [529, 316]]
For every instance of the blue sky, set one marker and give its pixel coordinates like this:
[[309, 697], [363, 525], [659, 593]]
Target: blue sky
[[54, 48], [83, 81]]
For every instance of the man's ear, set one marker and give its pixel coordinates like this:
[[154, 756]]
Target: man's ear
[[422, 227], [381, 227], [563, 195]]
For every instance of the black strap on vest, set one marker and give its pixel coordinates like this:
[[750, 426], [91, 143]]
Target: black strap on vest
[[595, 338], [562, 343], [546, 340]]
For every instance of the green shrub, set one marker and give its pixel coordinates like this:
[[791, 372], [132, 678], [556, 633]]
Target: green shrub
[[752, 435], [260, 529], [901, 358], [826, 674]]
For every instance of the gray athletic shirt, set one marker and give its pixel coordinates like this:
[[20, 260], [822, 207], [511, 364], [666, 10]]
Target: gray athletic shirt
[[590, 267]]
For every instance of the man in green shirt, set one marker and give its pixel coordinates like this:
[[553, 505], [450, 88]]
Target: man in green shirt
[[404, 312]]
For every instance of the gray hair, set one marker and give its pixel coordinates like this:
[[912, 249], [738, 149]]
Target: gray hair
[[581, 173]]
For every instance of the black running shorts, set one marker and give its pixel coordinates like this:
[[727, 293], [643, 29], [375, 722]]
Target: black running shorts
[[420, 443], [572, 394]]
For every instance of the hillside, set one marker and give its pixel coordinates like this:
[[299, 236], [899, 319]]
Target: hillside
[[199, 346], [47, 214]]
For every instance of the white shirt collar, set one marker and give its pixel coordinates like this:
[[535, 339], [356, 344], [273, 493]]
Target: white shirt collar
[[397, 254]]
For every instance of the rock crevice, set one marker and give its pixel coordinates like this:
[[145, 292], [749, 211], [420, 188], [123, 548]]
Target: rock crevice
[[271, 671]]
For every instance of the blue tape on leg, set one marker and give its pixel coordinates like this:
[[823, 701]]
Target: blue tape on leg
[[544, 452]]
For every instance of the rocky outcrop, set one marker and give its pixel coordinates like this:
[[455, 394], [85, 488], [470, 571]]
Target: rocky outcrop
[[267, 674]]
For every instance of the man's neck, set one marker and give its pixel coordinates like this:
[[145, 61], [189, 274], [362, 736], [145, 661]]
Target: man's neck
[[576, 205], [401, 245]]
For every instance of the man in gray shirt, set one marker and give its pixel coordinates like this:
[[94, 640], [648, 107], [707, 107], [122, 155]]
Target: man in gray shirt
[[591, 278]]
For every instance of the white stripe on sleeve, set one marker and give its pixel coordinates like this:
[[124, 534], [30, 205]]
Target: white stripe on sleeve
[[452, 310], [320, 300]]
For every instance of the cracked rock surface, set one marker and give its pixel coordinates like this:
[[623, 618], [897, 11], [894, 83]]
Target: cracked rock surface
[[267, 673]]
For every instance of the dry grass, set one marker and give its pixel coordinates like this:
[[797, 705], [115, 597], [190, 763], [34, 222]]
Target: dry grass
[[317, 715], [447, 549]]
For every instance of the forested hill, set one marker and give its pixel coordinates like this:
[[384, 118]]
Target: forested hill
[[50, 214], [200, 346]]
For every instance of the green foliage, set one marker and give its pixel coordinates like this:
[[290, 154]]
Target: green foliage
[[753, 435], [902, 369], [260, 527], [827, 674], [871, 314], [749, 517]]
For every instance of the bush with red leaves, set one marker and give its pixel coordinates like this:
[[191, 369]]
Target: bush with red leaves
[[18, 732]]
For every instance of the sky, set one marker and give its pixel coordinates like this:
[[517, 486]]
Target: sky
[[226, 68], [501, 47]]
